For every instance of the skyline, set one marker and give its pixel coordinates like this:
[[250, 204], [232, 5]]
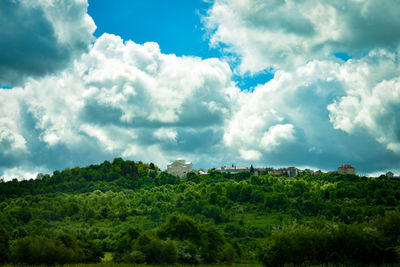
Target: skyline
[[269, 83]]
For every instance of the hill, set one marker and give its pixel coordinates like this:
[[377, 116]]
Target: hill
[[136, 213]]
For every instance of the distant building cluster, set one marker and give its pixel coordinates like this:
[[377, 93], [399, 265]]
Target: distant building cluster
[[232, 169], [181, 168], [288, 172]]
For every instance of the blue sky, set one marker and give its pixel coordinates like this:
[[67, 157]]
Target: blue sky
[[270, 83], [179, 31], [157, 21]]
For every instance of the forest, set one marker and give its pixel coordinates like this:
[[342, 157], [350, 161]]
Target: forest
[[131, 212]]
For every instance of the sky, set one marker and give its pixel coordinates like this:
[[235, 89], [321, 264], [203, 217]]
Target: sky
[[310, 83]]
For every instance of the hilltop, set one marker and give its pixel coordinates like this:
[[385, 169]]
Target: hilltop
[[134, 212]]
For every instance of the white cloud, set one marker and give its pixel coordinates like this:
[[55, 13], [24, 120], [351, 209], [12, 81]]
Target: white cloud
[[268, 118], [121, 98], [320, 108], [10, 142], [17, 173], [151, 153], [41, 37], [250, 155], [138, 74], [305, 111], [276, 135], [372, 99], [286, 34], [166, 134]]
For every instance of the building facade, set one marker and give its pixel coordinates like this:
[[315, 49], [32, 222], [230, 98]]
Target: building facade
[[180, 167], [346, 169], [232, 169], [292, 171], [259, 171], [389, 174]]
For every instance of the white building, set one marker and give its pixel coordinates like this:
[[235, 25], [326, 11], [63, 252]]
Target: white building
[[179, 167], [232, 169]]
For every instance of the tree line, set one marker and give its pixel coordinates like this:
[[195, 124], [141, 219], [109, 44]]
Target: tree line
[[140, 214]]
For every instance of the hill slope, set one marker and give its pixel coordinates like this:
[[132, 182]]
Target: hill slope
[[143, 215]]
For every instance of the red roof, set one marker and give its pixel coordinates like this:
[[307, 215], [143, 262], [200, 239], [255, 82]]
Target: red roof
[[347, 166]]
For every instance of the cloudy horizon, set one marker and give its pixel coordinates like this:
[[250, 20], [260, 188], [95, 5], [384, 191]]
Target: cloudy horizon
[[268, 83]]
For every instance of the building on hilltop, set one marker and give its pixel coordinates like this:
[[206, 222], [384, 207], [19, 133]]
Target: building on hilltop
[[292, 171], [232, 169], [202, 173], [258, 171], [179, 167], [288, 172], [346, 169], [389, 174], [316, 173]]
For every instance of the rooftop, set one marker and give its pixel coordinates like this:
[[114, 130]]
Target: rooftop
[[347, 166], [232, 168]]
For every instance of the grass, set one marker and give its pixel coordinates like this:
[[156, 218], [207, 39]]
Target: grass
[[111, 264], [108, 257], [262, 220]]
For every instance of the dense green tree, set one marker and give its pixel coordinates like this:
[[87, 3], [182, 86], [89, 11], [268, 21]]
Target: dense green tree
[[4, 244], [101, 207], [65, 248], [41, 250], [126, 240], [181, 227]]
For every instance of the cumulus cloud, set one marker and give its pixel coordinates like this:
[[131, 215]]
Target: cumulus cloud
[[276, 135], [41, 37], [286, 34], [121, 98], [284, 111], [249, 155], [322, 114], [17, 173], [372, 98], [12, 142], [318, 110], [166, 134]]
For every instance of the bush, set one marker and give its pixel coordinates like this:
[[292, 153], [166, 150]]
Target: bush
[[188, 253], [4, 244], [339, 244], [150, 250], [294, 245], [65, 248], [208, 240], [41, 250]]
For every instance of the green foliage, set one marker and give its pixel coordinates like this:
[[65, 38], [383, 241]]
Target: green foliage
[[139, 214], [119, 174], [4, 244], [40, 250], [339, 244], [181, 227], [299, 246], [124, 245], [65, 248], [208, 240]]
